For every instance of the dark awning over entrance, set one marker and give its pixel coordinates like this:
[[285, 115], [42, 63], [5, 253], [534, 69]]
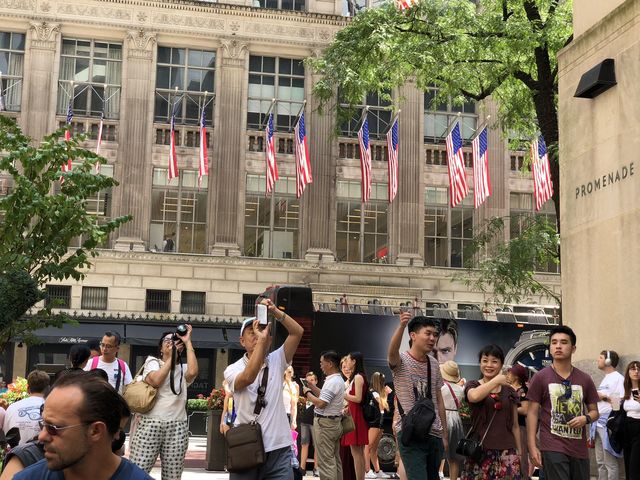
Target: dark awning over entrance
[[201, 337]]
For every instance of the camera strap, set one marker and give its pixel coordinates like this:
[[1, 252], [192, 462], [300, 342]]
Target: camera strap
[[262, 392], [175, 356]]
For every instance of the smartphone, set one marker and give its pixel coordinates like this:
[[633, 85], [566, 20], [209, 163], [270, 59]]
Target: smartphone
[[304, 382], [636, 394], [261, 314]]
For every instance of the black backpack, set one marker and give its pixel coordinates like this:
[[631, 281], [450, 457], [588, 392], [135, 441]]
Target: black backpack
[[416, 425], [370, 407]]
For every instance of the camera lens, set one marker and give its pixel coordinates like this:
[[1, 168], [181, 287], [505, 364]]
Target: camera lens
[[181, 329]]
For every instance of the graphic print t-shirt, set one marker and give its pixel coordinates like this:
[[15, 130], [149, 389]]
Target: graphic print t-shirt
[[24, 415], [559, 404]]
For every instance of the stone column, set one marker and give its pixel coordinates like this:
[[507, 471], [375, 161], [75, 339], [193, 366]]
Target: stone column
[[225, 217], [406, 219], [40, 84], [318, 217], [133, 169]]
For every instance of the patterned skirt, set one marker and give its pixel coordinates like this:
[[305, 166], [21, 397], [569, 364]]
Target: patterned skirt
[[503, 464]]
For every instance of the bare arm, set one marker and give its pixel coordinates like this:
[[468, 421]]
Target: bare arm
[[249, 374], [294, 406], [393, 356], [581, 421], [357, 398], [442, 412], [10, 469], [532, 430], [315, 400], [192, 361], [482, 391], [524, 406], [157, 377], [515, 429]]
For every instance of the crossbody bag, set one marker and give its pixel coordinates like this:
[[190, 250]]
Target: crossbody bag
[[471, 448], [245, 447]]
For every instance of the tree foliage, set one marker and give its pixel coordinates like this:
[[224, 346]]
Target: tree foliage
[[37, 225], [503, 48], [507, 271]]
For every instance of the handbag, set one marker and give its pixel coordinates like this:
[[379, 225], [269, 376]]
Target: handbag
[[468, 447], [348, 425], [139, 395], [615, 428], [245, 448]]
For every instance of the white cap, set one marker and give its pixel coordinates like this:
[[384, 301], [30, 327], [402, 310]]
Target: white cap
[[248, 322]]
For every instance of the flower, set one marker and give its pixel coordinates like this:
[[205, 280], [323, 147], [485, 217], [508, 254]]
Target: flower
[[215, 400], [16, 391]]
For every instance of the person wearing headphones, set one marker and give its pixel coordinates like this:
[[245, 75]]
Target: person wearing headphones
[[610, 391]]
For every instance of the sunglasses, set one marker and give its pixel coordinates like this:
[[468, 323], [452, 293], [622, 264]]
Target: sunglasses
[[567, 389], [55, 430], [497, 404]]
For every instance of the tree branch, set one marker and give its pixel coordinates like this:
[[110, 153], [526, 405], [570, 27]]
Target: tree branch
[[527, 79]]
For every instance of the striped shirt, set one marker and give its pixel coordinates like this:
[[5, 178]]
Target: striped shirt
[[412, 373]]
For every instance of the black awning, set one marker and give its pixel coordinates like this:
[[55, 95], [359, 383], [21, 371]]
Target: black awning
[[80, 333], [203, 337]]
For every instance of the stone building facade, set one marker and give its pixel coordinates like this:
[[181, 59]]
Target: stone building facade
[[219, 244]]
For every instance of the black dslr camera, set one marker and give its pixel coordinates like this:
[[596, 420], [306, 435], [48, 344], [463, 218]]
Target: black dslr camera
[[181, 331]]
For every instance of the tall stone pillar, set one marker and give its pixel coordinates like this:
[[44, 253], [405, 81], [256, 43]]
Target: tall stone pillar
[[229, 150], [406, 219], [133, 166], [318, 205], [40, 83]]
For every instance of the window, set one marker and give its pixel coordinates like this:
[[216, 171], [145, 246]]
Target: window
[[178, 213], [281, 4], [448, 231], [90, 75], [193, 302], [94, 298], [379, 117], [11, 66], [438, 117], [158, 301], [249, 304], [193, 73], [361, 230], [58, 296], [271, 222], [279, 78]]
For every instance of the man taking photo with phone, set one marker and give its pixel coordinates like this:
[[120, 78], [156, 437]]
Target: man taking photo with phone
[[245, 379]]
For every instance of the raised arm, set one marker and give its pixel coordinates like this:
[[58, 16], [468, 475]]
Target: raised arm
[[249, 374], [482, 391], [294, 329], [192, 361], [393, 356]]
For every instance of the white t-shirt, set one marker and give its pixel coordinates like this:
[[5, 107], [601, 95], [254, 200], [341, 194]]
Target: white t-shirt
[[25, 415], [287, 393], [611, 383], [632, 408], [333, 393], [275, 427], [112, 370], [168, 406]]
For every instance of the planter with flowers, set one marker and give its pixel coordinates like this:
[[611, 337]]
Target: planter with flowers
[[15, 391], [216, 446], [197, 412]]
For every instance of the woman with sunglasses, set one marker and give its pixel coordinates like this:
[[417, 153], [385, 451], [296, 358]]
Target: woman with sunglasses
[[163, 430], [494, 417], [631, 405]]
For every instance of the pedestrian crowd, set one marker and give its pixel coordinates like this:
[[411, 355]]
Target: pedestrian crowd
[[506, 424]]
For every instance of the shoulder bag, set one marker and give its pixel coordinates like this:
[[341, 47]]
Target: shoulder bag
[[615, 428], [347, 423], [468, 447], [245, 448], [139, 395]]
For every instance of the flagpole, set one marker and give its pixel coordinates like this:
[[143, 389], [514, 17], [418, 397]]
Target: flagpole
[[452, 124], [478, 130], [393, 121], [304, 103], [266, 115]]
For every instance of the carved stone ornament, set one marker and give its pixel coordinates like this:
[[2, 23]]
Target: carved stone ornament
[[234, 52], [44, 35], [141, 43]]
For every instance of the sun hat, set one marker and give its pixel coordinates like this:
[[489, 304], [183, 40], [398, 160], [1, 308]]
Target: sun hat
[[450, 371]]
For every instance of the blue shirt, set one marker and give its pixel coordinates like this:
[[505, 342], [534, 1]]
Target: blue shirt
[[40, 471]]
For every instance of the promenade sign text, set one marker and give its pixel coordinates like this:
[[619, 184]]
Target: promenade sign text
[[607, 180]]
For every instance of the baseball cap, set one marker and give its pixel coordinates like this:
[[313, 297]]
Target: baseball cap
[[247, 323]]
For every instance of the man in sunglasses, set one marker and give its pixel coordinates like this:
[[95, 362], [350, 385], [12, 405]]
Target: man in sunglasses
[[245, 380], [564, 399], [81, 416]]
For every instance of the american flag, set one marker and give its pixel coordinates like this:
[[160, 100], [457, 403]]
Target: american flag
[[365, 159], [203, 166], [99, 141], [542, 185], [405, 4], [270, 155], [392, 149], [66, 167], [481, 183], [303, 166], [455, 160], [173, 160]]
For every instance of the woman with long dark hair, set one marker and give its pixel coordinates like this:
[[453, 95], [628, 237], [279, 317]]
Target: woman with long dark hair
[[163, 430], [494, 417], [359, 438], [380, 393], [631, 405]]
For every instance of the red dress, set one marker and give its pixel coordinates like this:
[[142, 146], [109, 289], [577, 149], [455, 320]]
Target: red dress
[[360, 436]]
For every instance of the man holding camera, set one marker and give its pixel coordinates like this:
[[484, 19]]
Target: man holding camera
[[245, 379], [117, 369]]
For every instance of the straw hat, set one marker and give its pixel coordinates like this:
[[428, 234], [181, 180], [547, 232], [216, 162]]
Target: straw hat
[[450, 371]]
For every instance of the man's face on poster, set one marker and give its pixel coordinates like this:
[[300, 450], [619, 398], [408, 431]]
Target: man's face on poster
[[446, 348]]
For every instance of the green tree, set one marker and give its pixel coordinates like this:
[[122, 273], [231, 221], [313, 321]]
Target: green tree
[[37, 225], [505, 49]]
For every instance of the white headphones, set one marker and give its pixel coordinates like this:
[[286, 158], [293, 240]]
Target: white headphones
[[607, 361]]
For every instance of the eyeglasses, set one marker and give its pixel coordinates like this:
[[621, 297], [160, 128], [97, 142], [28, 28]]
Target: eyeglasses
[[106, 346], [54, 430], [497, 404], [567, 389]]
